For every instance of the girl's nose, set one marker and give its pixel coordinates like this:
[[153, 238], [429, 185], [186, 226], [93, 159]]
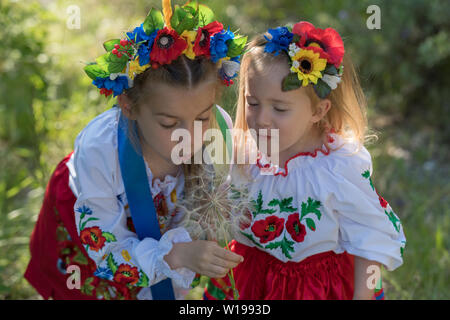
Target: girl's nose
[[263, 119]]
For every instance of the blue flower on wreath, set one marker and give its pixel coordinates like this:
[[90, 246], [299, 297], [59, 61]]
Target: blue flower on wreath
[[145, 49], [117, 85], [104, 273], [281, 38], [139, 35], [218, 44]]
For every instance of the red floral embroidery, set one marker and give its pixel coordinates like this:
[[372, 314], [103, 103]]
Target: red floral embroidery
[[295, 228], [160, 205], [268, 229], [383, 202], [93, 237], [126, 274]]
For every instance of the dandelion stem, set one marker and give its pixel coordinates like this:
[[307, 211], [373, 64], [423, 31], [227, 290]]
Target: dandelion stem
[[231, 276]]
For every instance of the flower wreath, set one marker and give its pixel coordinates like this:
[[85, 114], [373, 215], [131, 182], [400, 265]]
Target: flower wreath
[[315, 56], [162, 37]]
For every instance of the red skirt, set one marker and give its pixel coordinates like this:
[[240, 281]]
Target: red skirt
[[55, 245], [261, 276]]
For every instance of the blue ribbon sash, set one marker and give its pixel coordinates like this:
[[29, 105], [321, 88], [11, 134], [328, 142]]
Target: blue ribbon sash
[[140, 200]]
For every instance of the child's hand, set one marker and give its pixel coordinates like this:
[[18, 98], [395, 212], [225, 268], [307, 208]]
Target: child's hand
[[203, 257]]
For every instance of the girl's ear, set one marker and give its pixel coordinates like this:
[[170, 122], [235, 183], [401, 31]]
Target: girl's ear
[[125, 105], [322, 109]]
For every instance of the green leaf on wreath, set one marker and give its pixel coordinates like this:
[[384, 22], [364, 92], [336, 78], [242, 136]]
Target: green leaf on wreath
[[204, 13], [236, 46], [153, 21], [184, 18], [109, 45], [111, 63], [331, 70], [94, 70], [291, 82], [322, 89]]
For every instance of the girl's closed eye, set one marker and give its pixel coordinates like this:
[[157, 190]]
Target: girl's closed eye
[[280, 109], [168, 125], [252, 102]]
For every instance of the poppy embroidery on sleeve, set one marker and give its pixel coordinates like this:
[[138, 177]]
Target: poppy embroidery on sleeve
[[99, 282], [93, 237]]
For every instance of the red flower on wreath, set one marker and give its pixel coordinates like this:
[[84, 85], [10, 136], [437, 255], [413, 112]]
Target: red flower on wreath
[[167, 47], [93, 238], [327, 42], [268, 229], [203, 39], [105, 92], [126, 274], [295, 228]]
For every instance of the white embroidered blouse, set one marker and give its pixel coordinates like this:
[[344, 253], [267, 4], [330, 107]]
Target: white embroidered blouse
[[103, 218], [318, 202]]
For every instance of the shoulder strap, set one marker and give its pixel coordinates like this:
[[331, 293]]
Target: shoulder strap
[[140, 200]]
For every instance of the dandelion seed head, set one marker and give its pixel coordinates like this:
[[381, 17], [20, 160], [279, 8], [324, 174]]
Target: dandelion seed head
[[214, 209]]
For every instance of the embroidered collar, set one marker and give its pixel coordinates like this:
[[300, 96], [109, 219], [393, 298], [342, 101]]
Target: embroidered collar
[[268, 168]]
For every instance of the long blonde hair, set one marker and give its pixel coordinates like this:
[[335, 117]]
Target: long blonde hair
[[347, 115]]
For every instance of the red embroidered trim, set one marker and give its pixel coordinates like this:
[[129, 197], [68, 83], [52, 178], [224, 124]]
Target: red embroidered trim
[[300, 154]]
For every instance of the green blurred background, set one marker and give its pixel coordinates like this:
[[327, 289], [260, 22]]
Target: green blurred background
[[46, 99]]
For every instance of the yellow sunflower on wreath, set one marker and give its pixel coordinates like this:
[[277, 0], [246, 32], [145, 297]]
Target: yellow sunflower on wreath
[[308, 65]]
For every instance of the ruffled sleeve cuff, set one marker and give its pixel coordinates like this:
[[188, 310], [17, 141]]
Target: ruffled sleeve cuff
[[182, 277], [150, 254]]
